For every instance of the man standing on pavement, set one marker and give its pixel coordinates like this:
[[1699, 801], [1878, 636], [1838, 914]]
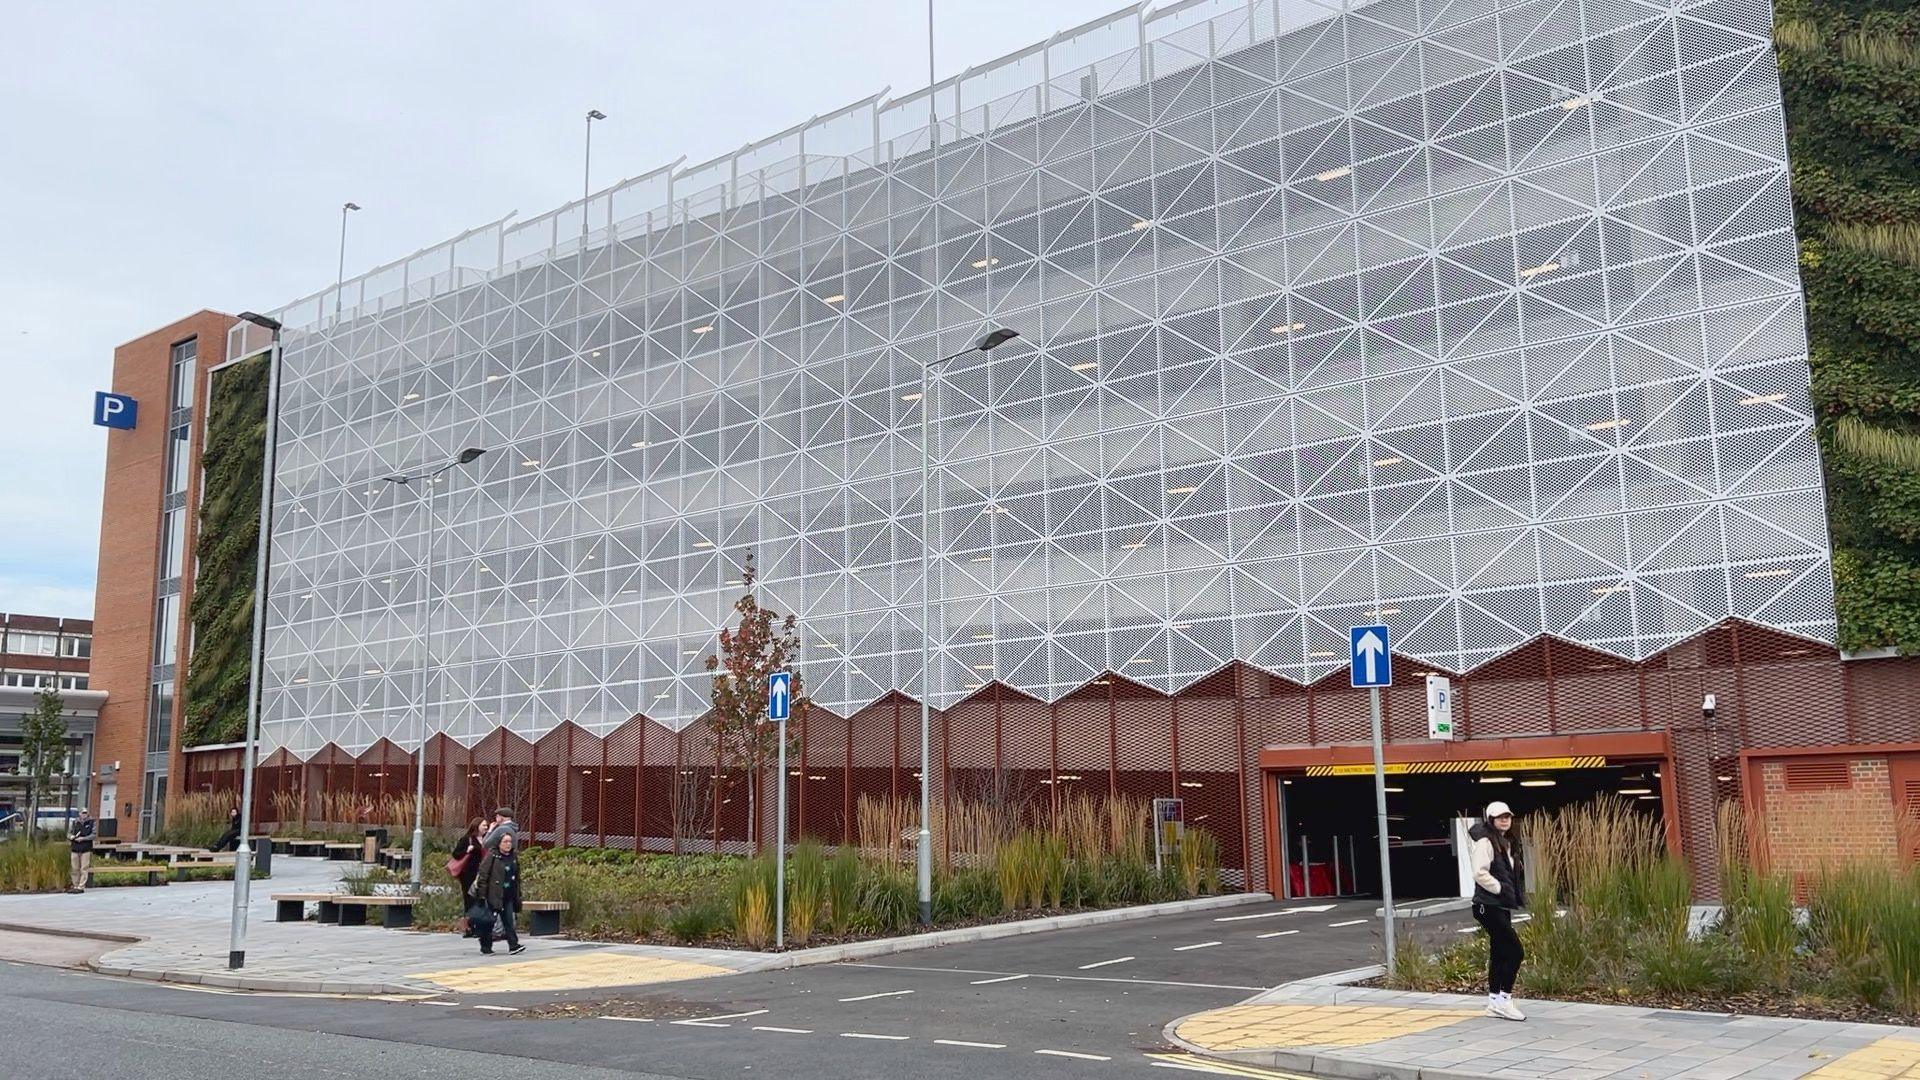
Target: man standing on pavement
[[80, 848], [503, 825]]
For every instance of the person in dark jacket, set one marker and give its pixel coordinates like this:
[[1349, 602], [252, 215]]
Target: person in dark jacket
[[468, 852], [497, 887], [230, 840], [80, 851], [1498, 891]]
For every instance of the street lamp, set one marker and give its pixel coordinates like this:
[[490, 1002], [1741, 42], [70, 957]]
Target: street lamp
[[431, 476], [992, 340], [586, 172], [243, 854], [340, 275]]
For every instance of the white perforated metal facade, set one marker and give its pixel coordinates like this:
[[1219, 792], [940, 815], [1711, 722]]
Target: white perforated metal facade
[[1480, 318]]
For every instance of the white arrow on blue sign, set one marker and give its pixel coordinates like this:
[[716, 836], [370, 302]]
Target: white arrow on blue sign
[[1372, 662], [779, 695]]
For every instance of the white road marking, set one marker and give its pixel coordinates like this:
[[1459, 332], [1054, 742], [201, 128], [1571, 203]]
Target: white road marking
[[698, 1023], [629, 1019], [197, 989], [1466, 930], [1349, 922], [1272, 914], [497, 1008], [786, 1031], [712, 1021], [1190, 1068], [1104, 963], [1190, 948], [1003, 978], [870, 997], [1066, 978], [1071, 1054], [441, 1004], [1277, 933], [975, 1045], [864, 1035]]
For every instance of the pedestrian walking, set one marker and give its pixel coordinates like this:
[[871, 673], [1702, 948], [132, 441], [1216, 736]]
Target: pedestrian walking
[[1498, 891], [497, 888], [464, 866], [80, 849], [503, 824], [230, 840]]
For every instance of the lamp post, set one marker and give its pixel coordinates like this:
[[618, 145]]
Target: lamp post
[[340, 275], [431, 476], [243, 854], [586, 171], [992, 340]]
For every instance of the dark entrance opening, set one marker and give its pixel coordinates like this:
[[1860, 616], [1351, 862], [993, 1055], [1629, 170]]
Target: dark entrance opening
[[1330, 840]]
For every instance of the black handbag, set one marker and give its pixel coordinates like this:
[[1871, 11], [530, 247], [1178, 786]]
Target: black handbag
[[479, 918]]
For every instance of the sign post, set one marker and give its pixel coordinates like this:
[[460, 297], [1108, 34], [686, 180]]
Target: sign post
[[779, 707], [1169, 830], [1370, 658]]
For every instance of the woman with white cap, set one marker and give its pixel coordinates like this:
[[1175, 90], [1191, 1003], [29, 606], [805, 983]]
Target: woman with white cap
[[1497, 893]]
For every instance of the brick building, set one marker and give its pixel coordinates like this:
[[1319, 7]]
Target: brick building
[[40, 652], [148, 527]]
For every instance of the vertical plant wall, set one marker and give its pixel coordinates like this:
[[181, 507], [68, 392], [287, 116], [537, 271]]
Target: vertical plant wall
[[1851, 75], [222, 608]]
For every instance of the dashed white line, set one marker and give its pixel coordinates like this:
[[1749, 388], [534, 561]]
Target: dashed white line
[[1071, 1054], [786, 1031], [870, 997], [1271, 914], [1349, 922], [1001, 979], [699, 1023], [497, 1008], [974, 1045], [864, 1035], [1104, 963], [629, 1019], [440, 1004], [715, 1021], [1277, 933], [1190, 948]]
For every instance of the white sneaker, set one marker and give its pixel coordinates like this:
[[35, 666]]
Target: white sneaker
[[1505, 1009]]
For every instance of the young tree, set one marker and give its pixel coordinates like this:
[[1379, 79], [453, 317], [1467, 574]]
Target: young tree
[[43, 749], [761, 644]]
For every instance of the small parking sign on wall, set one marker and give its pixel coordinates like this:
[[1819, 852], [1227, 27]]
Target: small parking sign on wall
[[114, 410]]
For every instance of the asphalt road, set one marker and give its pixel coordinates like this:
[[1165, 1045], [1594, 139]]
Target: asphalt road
[[1085, 1003]]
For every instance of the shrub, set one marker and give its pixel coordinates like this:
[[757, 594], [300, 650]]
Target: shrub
[[1128, 880], [1897, 937], [693, 923], [751, 900], [890, 900], [806, 890], [1200, 863], [967, 894], [1841, 910], [28, 867], [843, 889], [1761, 920], [196, 819], [1414, 967]]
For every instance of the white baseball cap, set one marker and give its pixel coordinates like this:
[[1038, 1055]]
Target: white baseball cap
[[1498, 809]]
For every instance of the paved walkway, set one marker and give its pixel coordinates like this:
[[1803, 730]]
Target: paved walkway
[[184, 927], [1343, 1031]]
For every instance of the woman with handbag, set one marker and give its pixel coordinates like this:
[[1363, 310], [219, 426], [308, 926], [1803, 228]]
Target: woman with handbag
[[497, 886], [465, 865]]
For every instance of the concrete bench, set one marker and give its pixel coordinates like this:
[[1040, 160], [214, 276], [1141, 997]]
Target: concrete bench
[[544, 916], [396, 912], [155, 875], [292, 907]]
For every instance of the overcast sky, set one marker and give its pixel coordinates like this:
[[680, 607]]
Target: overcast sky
[[156, 159]]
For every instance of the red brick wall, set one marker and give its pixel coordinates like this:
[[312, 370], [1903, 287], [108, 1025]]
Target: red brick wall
[[1827, 810], [123, 606]]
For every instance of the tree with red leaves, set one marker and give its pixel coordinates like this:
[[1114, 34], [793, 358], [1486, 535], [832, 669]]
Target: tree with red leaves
[[760, 645]]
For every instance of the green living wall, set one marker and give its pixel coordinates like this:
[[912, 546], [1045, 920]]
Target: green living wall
[[222, 608], [1851, 74]]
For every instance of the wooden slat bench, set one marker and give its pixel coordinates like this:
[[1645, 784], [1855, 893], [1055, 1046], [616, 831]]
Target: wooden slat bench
[[307, 848], [396, 912], [155, 875], [292, 907], [545, 916], [342, 852]]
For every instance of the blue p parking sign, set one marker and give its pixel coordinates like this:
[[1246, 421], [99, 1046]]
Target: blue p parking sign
[[114, 410]]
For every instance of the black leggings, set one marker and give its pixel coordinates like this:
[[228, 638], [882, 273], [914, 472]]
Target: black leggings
[[1505, 953]]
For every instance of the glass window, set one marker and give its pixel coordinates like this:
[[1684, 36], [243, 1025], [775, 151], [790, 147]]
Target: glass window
[[179, 459], [173, 542], [183, 358], [32, 644], [160, 717], [166, 629], [77, 645]]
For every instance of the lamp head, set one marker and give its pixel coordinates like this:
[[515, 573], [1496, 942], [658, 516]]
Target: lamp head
[[260, 320], [395, 479], [995, 338], [350, 206], [596, 114], [471, 452]]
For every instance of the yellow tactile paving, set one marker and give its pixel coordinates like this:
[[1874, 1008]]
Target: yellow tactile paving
[[570, 973], [1889, 1059], [1269, 1027]]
